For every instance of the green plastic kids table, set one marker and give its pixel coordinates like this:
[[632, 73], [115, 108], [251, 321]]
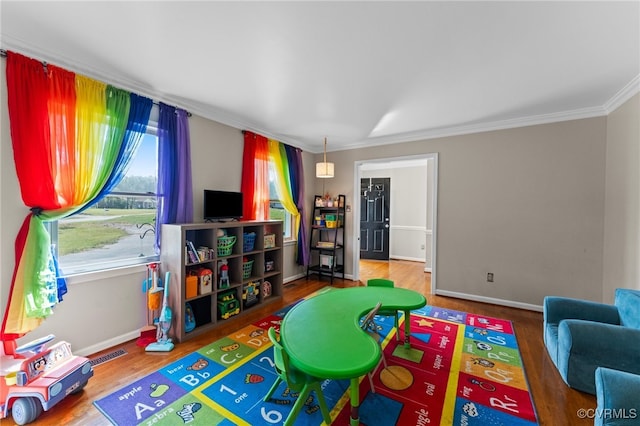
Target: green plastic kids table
[[323, 338]]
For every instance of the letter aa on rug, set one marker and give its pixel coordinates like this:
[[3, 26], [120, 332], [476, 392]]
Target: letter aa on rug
[[471, 373]]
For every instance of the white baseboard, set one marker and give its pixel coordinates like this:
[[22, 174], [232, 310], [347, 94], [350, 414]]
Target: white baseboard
[[411, 259], [293, 278], [492, 300], [90, 350], [296, 277]]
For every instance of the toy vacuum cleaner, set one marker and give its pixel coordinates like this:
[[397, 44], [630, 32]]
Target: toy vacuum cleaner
[[163, 342]]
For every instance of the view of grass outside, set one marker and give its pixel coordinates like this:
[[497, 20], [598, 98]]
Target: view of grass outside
[[106, 226], [276, 213], [99, 227]]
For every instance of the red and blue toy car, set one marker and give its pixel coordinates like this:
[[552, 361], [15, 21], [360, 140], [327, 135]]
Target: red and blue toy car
[[34, 377]]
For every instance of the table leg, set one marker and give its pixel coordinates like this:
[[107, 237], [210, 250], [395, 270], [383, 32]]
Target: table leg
[[355, 402], [407, 329], [406, 351]]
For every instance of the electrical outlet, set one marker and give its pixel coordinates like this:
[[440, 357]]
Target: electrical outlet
[[489, 277], [422, 247]]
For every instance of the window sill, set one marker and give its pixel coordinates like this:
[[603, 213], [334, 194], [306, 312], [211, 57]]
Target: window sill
[[102, 274], [74, 278]]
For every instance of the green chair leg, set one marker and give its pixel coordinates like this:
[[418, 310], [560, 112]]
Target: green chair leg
[[302, 399], [296, 381], [323, 404], [267, 397]]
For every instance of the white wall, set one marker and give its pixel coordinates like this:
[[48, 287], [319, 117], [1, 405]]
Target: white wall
[[622, 200]]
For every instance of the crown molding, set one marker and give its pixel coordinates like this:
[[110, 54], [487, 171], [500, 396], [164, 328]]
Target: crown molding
[[231, 120], [204, 111], [443, 132], [626, 93]]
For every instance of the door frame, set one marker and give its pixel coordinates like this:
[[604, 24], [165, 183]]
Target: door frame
[[357, 166]]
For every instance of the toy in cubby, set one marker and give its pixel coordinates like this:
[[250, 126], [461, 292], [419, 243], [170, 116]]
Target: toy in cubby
[[189, 318], [223, 273], [251, 293], [205, 278], [269, 241], [228, 304], [269, 264], [266, 289]]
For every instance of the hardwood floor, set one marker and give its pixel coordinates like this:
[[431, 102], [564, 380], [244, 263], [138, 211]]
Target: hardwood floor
[[556, 404]]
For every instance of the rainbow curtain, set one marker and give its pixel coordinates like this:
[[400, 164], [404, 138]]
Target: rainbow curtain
[[255, 177], [72, 139], [259, 155], [280, 165], [174, 190]]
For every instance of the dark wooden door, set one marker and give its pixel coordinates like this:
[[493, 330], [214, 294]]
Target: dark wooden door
[[374, 218]]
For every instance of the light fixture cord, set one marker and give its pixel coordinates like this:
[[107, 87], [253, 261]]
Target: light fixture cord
[[325, 152], [325, 163]]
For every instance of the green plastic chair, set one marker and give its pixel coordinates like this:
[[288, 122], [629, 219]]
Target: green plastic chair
[[296, 380], [371, 328], [383, 282]]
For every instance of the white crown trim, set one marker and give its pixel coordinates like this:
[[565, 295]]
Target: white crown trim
[[228, 119]]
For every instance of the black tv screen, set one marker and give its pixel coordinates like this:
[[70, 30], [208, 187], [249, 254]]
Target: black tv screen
[[219, 205]]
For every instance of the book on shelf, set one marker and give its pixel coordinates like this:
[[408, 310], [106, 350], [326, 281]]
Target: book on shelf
[[192, 252]]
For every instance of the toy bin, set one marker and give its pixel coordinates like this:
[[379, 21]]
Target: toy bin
[[247, 267], [225, 245], [326, 261], [269, 241], [248, 241], [191, 286], [330, 221]]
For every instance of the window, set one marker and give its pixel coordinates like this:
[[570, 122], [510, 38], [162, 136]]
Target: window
[[119, 230], [277, 210]]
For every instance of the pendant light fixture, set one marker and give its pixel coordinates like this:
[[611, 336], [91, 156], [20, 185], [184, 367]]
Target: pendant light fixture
[[324, 170]]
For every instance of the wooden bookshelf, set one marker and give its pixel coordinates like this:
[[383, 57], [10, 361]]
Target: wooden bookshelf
[[212, 301]]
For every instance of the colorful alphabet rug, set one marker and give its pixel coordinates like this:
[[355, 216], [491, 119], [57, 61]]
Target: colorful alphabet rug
[[463, 369]]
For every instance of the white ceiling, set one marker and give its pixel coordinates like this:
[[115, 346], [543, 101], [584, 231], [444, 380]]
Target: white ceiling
[[359, 73]]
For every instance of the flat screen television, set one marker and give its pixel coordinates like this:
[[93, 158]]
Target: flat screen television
[[222, 205]]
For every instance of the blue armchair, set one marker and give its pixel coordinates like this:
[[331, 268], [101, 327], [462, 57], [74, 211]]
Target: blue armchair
[[581, 336], [617, 395]]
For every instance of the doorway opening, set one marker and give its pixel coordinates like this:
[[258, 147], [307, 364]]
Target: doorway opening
[[374, 217], [412, 215]]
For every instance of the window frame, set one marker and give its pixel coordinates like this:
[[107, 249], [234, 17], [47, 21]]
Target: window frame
[[53, 229], [288, 225]]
